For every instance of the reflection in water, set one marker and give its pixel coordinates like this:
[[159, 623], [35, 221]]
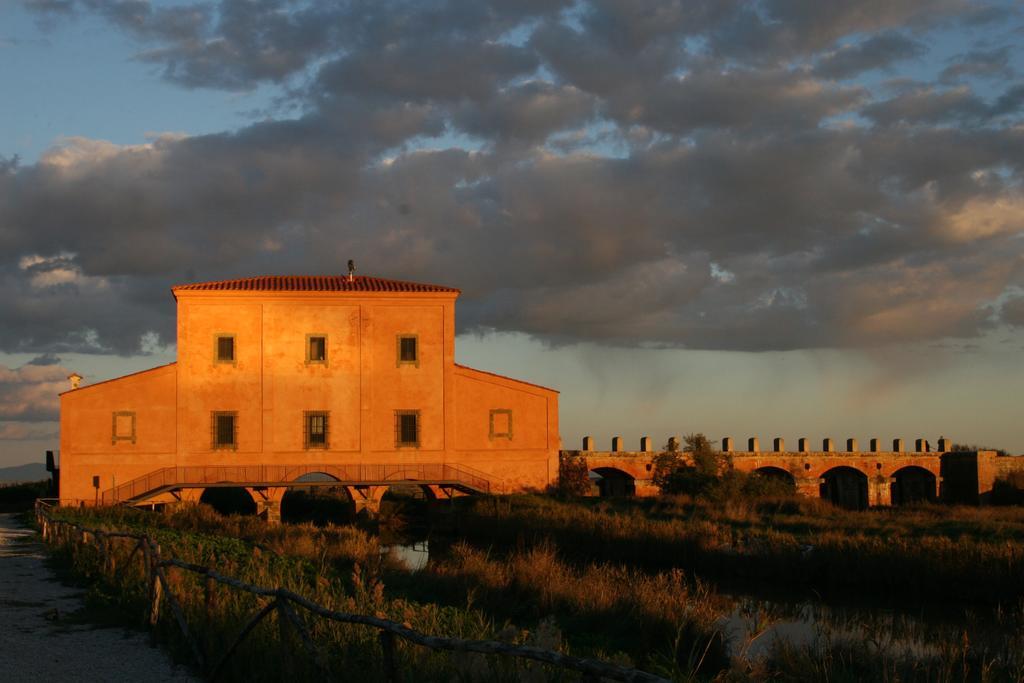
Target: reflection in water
[[413, 555], [759, 625], [754, 625]]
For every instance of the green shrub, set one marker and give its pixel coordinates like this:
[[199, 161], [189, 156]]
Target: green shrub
[[701, 471], [691, 472]]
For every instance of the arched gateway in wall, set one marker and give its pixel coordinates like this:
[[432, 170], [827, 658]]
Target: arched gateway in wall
[[614, 482], [913, 485], [778, 476], [846, 487]]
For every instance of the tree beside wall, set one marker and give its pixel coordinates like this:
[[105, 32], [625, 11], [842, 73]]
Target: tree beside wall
[[573, 475], [701, 470]]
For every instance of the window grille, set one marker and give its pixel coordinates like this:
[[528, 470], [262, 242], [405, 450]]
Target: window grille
[[316, 429], [407, 428], [224, 428]]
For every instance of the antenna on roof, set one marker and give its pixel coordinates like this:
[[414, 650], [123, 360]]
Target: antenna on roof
[[351, 270]]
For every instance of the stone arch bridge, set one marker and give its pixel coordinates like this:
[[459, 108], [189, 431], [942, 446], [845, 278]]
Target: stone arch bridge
[[851, 477], [365, 484]]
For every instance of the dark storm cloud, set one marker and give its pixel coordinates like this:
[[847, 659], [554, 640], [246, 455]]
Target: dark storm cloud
[[1010, 102], [697, 174], [767, 99], [236, 44], [936, 105], [594, 66], [781, 29], [979, 64], [63, 310], [877, 52], [434, 70], [530, 111], [930, 106]]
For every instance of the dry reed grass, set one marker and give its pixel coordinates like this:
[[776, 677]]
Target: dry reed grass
[[924, 552], [600, 578]]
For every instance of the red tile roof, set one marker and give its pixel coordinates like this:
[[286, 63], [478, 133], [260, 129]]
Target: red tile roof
[[312, 283]]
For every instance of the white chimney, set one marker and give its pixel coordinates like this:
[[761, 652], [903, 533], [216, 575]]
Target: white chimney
[[76, 379]]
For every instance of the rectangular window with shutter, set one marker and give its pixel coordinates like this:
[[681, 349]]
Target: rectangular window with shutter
[[407, 428], [316, 429]]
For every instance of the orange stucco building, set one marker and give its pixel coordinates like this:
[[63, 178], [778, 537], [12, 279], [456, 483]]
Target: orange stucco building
[[301, 371]]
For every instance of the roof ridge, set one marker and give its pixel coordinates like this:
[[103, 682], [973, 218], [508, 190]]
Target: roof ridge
[[313, 283]]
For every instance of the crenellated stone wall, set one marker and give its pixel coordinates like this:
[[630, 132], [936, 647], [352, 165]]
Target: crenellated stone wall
[[854, 477]]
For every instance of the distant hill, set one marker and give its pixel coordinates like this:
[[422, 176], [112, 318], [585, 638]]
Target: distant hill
[[32, 471]]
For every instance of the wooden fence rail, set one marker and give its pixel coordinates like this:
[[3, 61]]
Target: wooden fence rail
[[284, 604]]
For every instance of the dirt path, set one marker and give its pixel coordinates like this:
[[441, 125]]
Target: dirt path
[[42, 638]]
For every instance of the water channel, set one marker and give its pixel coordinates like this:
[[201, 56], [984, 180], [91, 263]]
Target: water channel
[[755, 618]]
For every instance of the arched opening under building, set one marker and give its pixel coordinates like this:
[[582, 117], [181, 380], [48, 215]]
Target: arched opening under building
[[845, 487], [776, 480], [320, 503], [229, 500], [913, 485], [613, 482], [408, 491], [405, 504]]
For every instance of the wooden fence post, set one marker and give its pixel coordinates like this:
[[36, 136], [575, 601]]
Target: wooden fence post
[[284, 609], [154, 607], [103, 541], [179, 616], [282, 634], [155, 588], [387, 645], [209, 598]]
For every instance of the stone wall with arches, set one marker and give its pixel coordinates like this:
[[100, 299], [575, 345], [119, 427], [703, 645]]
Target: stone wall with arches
[[850, 477]]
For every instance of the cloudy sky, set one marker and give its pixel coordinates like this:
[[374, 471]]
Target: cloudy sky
[[783, 218]]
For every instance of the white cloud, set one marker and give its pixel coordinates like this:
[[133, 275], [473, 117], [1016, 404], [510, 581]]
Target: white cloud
[[30, 393], [50, 271], [987, 217]]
